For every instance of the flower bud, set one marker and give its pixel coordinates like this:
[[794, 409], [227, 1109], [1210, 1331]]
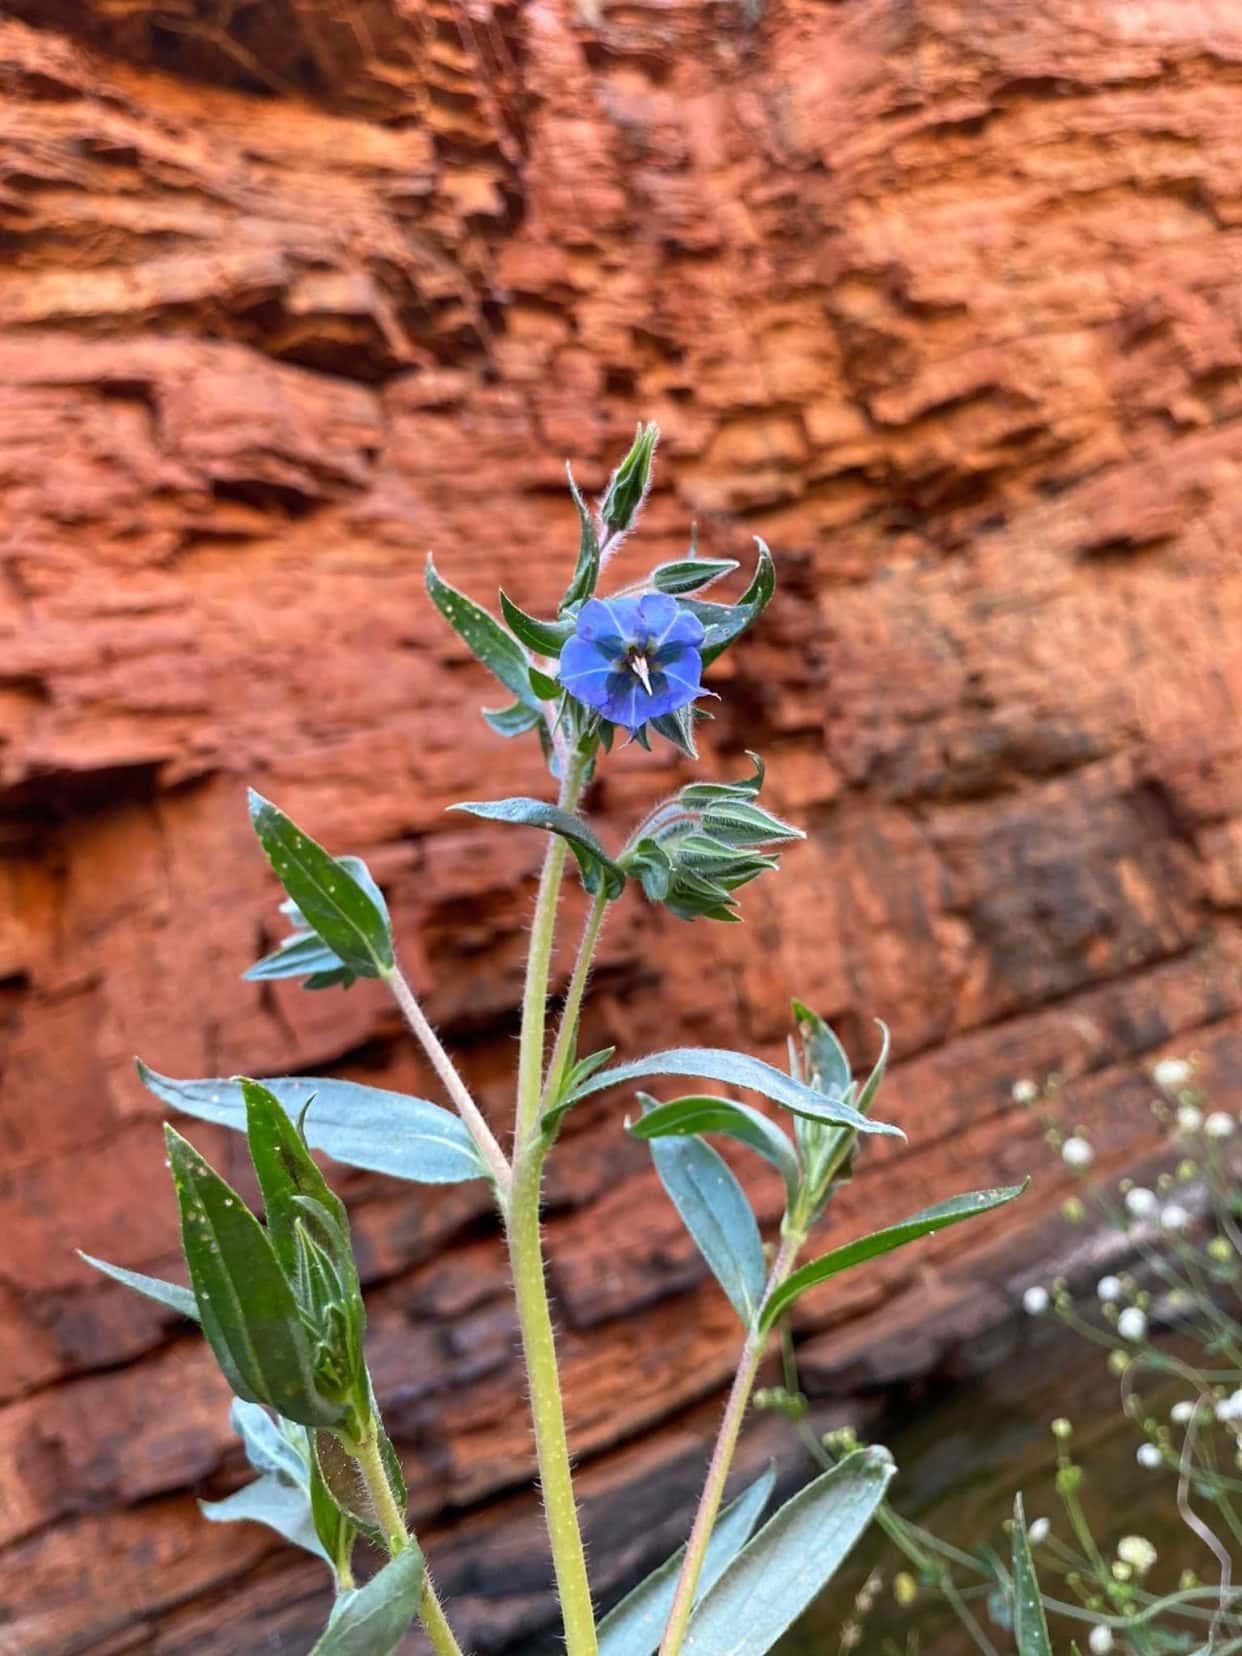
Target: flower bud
[[628, 487]]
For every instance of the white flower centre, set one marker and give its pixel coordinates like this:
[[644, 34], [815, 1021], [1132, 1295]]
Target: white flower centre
[[638, 666]]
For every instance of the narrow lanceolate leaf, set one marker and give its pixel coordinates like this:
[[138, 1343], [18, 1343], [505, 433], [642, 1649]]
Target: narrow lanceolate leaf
[[483, 636], [739, 1069], [880, 1242], [826, 1066], [721, 1115], [384, 1132], [596, 865], [634, 1626], [245, 1304], [544, 637], [791, 1560], [373, 1620], [586, 570], [283, 1507], [513, 721], [303, 955], [714, 1209], [285, 1170], [724, 623], [170, 1294], [1030, 1627], [690, 574], [335, 905]]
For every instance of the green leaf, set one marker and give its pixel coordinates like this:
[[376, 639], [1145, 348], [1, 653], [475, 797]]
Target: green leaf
[[690, 574], [721, 1115], [303, 955], [714, 1209], [515, 720], [333, 903], [596, 865], [586, 571], [1029, 1623], [738, 1069], [544, 637], [723, 624], [170, 1294], [872, 1086], [827, 1066], [281, 1497], [880, 1242], [634, 1626], [245, 1303], [269, 1446], [373, 1620], [383, 1132], [283, 1507], [484, 636], [791, 1560]]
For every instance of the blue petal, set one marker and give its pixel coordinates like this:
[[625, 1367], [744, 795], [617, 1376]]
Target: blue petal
[[583, 669], [654, 614], [684, 630]]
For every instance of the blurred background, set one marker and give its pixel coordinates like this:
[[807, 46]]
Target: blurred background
[[941, 297]]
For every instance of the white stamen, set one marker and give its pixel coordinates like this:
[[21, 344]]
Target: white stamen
[[639, 664]]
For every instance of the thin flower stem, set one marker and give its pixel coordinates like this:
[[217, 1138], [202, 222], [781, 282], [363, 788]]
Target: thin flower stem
[[567, 1031], [722, 1457], [397, 1538], [456, 1088], [526, 1260]]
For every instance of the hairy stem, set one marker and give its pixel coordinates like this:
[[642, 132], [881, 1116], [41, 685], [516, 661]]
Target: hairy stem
[[456, 1088], [397, 1539], [526, 1259], [722, 1457], [563, 1051]]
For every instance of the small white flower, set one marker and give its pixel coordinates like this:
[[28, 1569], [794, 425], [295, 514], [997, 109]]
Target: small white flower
[[1136, 1551], [1142, 1203], [1171, 1073], [1181, 1414], [1132, 1324], [1037, 1531], [1076, 1152], [1218, 1125], [1100, 1640], [1189, 1119], [1024, 1091], [1173, 1217], [1149, 1456], [1035, 1301], [1229, 1408], [1108, 1289]]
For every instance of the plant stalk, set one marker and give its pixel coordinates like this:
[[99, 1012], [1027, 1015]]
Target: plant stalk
[[526, 1260], [565, 1047], [722, 1456], [480, 1132]]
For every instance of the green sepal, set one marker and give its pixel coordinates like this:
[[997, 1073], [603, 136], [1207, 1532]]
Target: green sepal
[[544, 637], [245, 1303], [483, 636], [596, 865], [545, 687], [170, 1294], [332, 902], [844, 1258]]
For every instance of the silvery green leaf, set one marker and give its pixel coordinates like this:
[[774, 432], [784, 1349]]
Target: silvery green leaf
[[721, 1115], [484, 636], [678, 728], [513, 721], [791, 1560], [302, 955], [1030, 1626], [283, 1507], [714, 1209], [544, 637], [335, 904], [245, 1304], [634, 1626], [827, 1066], [723, 624], [586, 571], [373, 1620], [738, 1069], [880, 1242], [170, 1294], [269, 1446], [872, 1084], [369, 1127], [596, 865], [690, 574]]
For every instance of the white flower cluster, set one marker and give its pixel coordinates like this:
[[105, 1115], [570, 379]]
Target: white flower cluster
[[1077, 1153], [1172, 1074], [1142, 1203], [1132, 1324], [1229, 1409], [1138, 1552], [1035, 1301], [1100, 1640]]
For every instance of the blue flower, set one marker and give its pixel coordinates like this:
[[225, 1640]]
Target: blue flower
[[633, 659]]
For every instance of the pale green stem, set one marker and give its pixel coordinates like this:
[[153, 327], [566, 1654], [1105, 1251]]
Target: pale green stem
[[722, 1457], [480, 1132], [526, 1259], [397, 1539], [563, 1052]]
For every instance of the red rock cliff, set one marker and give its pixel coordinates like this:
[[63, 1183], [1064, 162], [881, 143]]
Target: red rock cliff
[[942, 297]]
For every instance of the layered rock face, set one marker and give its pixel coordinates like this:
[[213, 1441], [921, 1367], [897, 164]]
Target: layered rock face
[[939, 296]]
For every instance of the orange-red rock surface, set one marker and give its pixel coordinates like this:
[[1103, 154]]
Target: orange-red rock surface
[[944, 299]]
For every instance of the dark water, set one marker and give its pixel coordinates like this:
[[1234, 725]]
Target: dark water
[[962, 1452]]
